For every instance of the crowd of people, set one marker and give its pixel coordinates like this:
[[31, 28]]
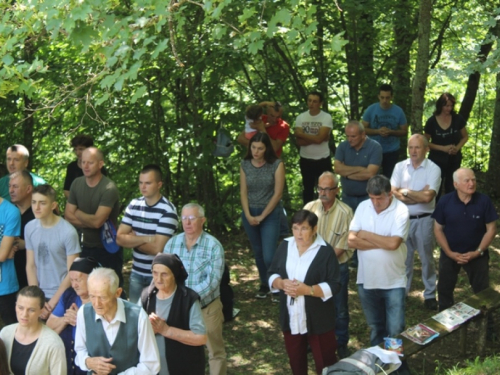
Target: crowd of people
[[61, 284]]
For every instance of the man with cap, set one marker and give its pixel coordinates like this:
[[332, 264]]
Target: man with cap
[[63, 317], [175, 313]]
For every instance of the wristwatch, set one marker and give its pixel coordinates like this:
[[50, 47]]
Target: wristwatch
[[481, 252], [405, 192]]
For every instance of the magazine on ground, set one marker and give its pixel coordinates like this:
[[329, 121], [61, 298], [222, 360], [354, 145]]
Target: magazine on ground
[[456, 315], [420, 334]]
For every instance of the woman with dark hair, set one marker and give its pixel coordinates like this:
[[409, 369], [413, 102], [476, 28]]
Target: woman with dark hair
[[175, 313], [305, 270], [447, 134], [32, 347], [262, 178]]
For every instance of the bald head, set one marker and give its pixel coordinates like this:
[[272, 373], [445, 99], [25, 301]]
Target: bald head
[[92, 162]]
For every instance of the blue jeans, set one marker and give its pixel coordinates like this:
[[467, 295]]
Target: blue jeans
[[384, 311], [341, 307], [263, 239], [136, 284]]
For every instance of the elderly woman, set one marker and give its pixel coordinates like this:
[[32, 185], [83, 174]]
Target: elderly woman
[[175, 313], [32, 347], [262, 178], [306, 271], [447, 134]]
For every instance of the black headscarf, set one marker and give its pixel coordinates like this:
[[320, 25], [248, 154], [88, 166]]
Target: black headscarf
[[84, 265], [173, 262]]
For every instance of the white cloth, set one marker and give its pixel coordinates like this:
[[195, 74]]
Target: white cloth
[[296, 268], [379, 268], [405, 176], [149, 360], [311, 125]]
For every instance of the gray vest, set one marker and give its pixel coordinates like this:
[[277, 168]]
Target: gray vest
[[124, 350]]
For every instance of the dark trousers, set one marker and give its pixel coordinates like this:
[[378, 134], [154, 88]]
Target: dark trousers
[[310, 170], [389, 161], [108, 260], [323, 348], [20, 264], [477, 271], [8, 308], [447, 165]]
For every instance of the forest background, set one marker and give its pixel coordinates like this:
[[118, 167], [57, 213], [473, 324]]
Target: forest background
[[152, 80]]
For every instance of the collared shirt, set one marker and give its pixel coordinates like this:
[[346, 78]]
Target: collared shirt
[[405, 176], [149, 360], [296, 267], [380, 268], [204, 264], [333, 225], [370, 153]]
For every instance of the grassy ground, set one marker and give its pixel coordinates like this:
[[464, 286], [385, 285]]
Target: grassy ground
[[254, 341]]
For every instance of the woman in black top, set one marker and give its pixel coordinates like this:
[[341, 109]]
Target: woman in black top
[[447, 134]]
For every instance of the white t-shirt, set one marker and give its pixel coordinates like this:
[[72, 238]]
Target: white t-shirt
[[311, 125], [379, 268]]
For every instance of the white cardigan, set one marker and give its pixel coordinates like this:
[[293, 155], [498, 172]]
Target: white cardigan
[[48, 357]]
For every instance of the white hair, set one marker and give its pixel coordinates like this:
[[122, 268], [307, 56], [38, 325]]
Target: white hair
[[107, 274]]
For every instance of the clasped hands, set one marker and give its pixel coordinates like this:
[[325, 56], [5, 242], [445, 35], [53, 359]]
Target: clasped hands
[[294, 288]]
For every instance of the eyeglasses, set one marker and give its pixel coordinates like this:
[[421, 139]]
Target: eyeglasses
[[326, 190], [190, 218]]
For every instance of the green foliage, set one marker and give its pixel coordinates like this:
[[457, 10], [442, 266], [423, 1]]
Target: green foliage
[[487, 366]]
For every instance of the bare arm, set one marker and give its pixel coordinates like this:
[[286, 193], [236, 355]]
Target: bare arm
[[31, 268], [66, 194], [242, 140], [96, 220], [56, 323], [413, 197], [345, 170], [322, 136], [356, 242], [184, 336], [70, 215], [379, 241], [6, 247], [156, 245], [357, 173], [65, 284], [126, 238]]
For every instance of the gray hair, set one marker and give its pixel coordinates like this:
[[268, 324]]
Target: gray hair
[[455, 174], [423, 138], [330, 175], [107, 274], [378, 185], [356, 124], [24, 175], [200, 209]]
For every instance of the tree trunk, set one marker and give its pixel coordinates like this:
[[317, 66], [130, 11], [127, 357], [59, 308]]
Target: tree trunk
[[493, 173], [422, 66]]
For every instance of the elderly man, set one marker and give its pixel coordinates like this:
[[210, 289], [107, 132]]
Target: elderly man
[[93, 199], [385, 123], [312, 133], [113, 335], [63, 318], [17, 159], [20, 191], [148, 224], [273, 125], [465, 225], [203, 257], [415, 182], [334, 218], [379, 231]]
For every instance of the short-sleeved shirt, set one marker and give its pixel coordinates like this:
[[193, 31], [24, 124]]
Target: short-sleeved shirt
[[51, 247], [442, 137], [380, 268], [405, 176], [204, 264], [464, 224], [4, 184], [311, 125], [391, 118], [333, 225], [369, 153], [280, 131], [88, 199], [10, 226], [158, 219]]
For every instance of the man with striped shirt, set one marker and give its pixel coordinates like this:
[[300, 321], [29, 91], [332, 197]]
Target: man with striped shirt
[[334, 218], [147, 225]]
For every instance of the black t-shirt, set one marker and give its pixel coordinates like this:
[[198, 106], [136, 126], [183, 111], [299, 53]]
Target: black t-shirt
[[20, 356], [442, 137]]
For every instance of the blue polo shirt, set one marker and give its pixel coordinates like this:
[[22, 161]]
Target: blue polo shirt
[[369, 153], [464, 224]]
